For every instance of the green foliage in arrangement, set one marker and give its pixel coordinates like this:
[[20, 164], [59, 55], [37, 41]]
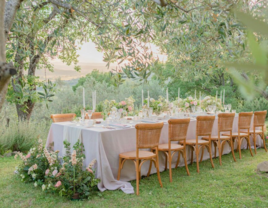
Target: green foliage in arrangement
[[64, 176]]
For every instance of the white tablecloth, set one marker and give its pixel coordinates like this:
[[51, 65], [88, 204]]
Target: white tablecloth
[[105, 145]]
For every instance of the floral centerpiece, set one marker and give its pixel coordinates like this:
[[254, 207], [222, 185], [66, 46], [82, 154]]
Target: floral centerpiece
[[126, 105], [209, 100], [157, 105], [187, 103]]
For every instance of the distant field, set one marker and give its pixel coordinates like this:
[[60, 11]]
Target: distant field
[[67, 72]]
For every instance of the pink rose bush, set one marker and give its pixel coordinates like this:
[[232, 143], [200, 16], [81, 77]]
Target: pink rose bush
[[66, 176]]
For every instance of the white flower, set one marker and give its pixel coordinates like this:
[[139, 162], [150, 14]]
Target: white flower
[[22, 176], [152, 100], [33, 175], [35, 184], [43, 187]]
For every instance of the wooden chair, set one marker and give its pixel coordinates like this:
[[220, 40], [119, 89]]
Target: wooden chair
[[62, 117], [204, 125], [96, 115], [177, 131], [147, 136], [259, 123], [244, 121], [225, 124]]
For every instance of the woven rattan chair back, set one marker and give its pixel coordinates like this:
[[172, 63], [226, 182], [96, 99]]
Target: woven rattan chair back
[[259, 118], [148, 135], [244, 120], [204, 125], [178, 129], [62, 117], [225, 121], [96, 115]]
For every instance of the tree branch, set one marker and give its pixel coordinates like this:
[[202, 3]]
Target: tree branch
[[184, 10]]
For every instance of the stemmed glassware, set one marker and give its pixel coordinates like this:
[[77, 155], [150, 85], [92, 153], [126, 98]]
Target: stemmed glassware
[[229, 107], [225, 108]]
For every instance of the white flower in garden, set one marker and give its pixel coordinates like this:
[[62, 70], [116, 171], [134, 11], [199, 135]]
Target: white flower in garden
[[54, 172], [34, 176], [35, 184], [43, 187]]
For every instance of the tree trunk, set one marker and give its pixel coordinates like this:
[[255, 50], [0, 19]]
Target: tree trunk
[[25, 115], [7, 14]]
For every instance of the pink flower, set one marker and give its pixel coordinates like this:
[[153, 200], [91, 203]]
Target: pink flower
[[129, 108], [186, 105], [195, 102], [123, 102], [28, 156], [54, 172], [47, 172], [58, 184], [121, 110], [58, 174], [89, 170], [192, 102]]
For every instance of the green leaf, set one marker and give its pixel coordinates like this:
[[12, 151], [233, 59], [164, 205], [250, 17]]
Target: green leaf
[[253, 23], [257, 51]]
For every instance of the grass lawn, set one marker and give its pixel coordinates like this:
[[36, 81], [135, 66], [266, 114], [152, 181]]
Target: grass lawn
[[230, 185]]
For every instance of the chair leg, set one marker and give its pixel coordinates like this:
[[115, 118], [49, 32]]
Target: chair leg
[[169, 166], [119, 168], [210, 154], [254, 142], [219, 149], [264, 144], [137, 176], [197, 157], [248, 138], [185, 161], [232, 148], [178, 160], [201, 159], [150, 167], [157, 169], [238, 147]]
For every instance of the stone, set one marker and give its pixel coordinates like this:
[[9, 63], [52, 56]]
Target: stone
[[263, 167]]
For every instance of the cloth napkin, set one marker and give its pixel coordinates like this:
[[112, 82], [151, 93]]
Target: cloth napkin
[[72, 135]]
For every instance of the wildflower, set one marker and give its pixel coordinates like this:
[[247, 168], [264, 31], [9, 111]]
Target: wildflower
[[74, 161], [47, 171], [35, 166], [43, 187], [58, 184], [89, 170], [54, 172], [92, 163], [28, 156], [35, 184], [34, 176]]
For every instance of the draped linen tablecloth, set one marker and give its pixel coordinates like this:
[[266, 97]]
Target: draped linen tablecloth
[[105, 145]]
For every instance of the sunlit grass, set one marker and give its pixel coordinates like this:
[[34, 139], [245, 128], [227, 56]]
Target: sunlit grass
[[230, 185]]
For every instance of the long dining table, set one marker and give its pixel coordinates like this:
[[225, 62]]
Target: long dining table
[[105, 143]]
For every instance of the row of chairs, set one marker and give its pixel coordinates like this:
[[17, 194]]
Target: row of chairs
[[71, 116], [148, 135]]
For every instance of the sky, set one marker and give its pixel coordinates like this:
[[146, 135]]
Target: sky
[[89, 59]]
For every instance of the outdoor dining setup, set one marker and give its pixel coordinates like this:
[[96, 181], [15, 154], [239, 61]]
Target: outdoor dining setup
[[160, 135]]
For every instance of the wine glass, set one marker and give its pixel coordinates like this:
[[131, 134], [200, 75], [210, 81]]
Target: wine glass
[[229, 107], [150, 112], [225, 108], [90, 113], [193, 109]]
